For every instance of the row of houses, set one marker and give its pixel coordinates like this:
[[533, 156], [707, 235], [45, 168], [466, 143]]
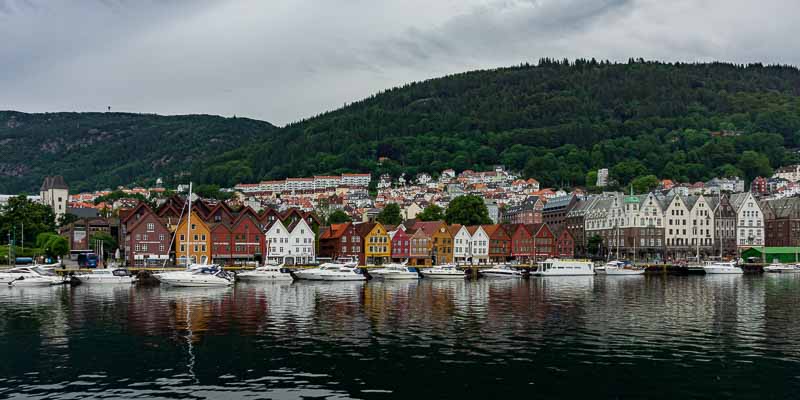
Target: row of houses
[[435, 242], [672, 226], [217, 234]]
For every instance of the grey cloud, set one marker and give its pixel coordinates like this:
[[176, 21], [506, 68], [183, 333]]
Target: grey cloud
[[282, 60]]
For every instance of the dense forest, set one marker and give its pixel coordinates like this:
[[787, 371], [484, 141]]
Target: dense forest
[[556, 121], [104, 150]]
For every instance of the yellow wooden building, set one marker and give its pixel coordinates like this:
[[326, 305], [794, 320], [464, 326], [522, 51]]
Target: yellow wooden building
[[376, 243], [199, 241]]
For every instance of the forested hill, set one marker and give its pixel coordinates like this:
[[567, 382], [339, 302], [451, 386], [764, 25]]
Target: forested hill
[[101, 150], [555, 121]]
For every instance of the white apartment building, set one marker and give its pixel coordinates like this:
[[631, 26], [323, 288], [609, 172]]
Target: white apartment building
[[749, 220], [356, 179], [479, 245], [462, 245]]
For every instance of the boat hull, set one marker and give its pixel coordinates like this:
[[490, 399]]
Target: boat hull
[[106, 280], [32, 282], [265, 278], [398, 276], [558, 273], [781, 270], [178, 282], [500, 275], [721, 270], [621, 272], [343, 278], [434, 275]]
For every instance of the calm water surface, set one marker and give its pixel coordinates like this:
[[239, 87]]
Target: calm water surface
[[603, 337]]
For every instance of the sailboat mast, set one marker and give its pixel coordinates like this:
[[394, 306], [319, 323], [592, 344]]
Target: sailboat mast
[[188, 223]]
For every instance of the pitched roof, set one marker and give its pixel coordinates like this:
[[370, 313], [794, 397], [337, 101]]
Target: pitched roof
[[430, 227], [454, 228], [335, 231], [54, 182]]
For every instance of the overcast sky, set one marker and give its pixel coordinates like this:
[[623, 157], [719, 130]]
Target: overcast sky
[[282, 60]]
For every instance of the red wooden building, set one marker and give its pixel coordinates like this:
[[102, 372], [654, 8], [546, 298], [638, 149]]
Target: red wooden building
[[565, 244], [340, 241], [499, 243], [147, 239], [401, 246]]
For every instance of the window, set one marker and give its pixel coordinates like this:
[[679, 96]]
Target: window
[[194, 227], [183, 238], [161, 237], [151, 227], [161, 248]]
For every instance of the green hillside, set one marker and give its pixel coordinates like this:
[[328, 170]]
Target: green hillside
[[100, 150], [555, 121]]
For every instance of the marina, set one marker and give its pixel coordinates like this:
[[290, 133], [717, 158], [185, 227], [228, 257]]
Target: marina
[[323, 339]]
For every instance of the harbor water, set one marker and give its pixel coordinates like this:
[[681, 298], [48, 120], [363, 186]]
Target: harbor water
[[656, 337]]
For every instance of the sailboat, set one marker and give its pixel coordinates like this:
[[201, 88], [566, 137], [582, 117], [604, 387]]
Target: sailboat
[[195, 275]]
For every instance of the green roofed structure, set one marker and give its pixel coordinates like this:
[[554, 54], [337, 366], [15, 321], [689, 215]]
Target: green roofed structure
[[784, 255]]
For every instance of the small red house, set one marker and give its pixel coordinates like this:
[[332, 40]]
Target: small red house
[[247, 238], [340, 241], [147, 239], [565, 244], [499, 243], [521, 242], [401, 245], [544, 242]]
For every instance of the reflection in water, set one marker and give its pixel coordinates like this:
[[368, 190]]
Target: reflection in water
[[647, 336]]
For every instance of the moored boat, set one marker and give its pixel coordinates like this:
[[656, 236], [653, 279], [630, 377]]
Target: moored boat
[[720, 267], [34, 276], [502, 271], [196, 276], [314, 274], [782, 268], [395, 272], [619, 268], [265, 273], [443, 272], [556, 267], [342, 274], [105, 276]]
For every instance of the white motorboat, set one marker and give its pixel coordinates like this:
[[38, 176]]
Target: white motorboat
[[196, 276], [35, 275], [619, 268], [342, 274], [105, 276], [313, 274], [502, 271], [782, 268], [395, 272], [556, 267], [443, 272], [265, 273], [722, 268]]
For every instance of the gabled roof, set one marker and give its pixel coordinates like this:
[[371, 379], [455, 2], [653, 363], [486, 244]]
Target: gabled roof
[[221, 207], [430, 227], [336, 231], [54, 182], [491, 230], [454, 229], [130, 213]]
